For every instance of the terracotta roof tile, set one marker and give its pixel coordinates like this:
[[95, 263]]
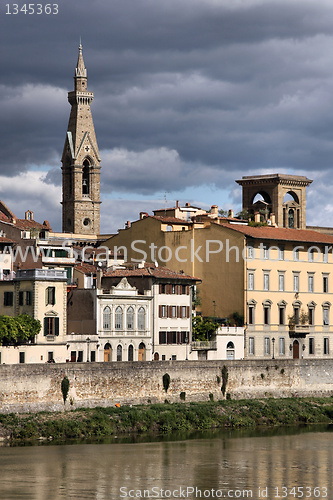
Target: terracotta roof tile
[[149, 270], [171, 220], [30, 224], [86, 268], [281, 233], [5, 240]]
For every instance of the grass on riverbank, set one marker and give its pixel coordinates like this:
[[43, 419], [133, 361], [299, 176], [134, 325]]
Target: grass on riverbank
[[165, 418]]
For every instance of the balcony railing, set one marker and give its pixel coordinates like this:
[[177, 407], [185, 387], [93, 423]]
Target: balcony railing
[[201, 345], [299, 331]]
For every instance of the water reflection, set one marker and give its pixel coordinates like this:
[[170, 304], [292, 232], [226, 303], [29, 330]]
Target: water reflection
[[223, 461]]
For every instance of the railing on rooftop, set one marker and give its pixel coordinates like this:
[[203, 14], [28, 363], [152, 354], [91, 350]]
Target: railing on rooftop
[[200, 345], [42, 274]]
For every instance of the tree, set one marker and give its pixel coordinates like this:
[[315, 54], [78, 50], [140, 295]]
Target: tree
[[223, 213], [18, 330], [203, 328], [243, 214]]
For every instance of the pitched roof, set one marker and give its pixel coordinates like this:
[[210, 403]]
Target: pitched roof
[[149, 270], [85, 268], [282, 234], [27, 224], [170, 220]]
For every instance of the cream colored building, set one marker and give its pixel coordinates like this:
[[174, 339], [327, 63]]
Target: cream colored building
[[136, 313], [40, 293]]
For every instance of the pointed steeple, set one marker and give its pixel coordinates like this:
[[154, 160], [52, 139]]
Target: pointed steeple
[[80, 70]]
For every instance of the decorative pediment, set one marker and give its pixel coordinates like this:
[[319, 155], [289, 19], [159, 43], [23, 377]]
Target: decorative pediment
[[51, 313], [87, 147]]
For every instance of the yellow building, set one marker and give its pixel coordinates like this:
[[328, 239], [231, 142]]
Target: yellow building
[[41, 294], [277, 278]]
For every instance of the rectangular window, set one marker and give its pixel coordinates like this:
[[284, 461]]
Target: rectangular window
[[281, 315], [251, 346], [174, 289], [251, 315], [296, 282], [8, 298], [266, 315], [183, 310], [281, 282], [22, 357], [251, 281], [281, 253], [93, 356], [250, 252], [266, 281], [164, 311], [162, 288], [80, 357], [21, 294], [311, 315], [267, 345], [183, 289], [51, 326], [311, 345], [266, 252], [173, 311], [326, 345], [162, 337], [296, 315], [325, 284], [50, 295], [50, 356], [310, 283], [282, 346], [326, 319]]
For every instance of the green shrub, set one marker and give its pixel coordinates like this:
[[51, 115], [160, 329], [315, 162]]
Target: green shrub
[[65, 387]]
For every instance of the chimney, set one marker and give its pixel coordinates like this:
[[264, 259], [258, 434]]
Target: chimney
[[128, 224], [231, 213], [187, 204], [177, 204], [214, 210], [257, 217], [143, 215], [273, 220]]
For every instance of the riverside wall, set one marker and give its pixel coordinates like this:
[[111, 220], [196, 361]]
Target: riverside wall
[[37, 387]]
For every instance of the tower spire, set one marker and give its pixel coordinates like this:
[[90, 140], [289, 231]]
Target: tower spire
[[80, 70]]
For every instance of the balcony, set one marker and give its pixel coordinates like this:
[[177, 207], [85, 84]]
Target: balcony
[[204, 345], [299, 331], [41, 274]]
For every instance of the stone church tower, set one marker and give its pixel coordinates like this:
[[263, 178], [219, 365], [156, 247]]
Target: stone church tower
[[80, 161]]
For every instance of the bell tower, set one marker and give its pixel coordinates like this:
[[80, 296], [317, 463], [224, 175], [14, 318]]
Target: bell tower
[[280, 194], [80, 161]]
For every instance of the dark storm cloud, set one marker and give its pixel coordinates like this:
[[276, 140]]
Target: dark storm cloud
[[186, 92]]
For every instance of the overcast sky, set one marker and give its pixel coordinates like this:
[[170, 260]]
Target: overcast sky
[[189, 96]]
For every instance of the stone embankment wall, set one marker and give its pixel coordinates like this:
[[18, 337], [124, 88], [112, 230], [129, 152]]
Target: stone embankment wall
[[38, 387]]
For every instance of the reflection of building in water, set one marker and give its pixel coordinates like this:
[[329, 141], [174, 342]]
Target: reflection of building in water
[[227, 463]]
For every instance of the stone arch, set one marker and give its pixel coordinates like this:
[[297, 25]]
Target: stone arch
[[292, 196]]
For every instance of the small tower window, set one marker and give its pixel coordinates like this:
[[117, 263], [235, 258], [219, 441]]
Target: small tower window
[[85, 177], [291, 220]]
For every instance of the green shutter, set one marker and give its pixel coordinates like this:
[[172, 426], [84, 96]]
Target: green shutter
[[56, 326], [46, 326]]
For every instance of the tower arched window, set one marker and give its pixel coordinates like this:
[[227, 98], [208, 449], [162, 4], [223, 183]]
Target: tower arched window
[[86, 177]]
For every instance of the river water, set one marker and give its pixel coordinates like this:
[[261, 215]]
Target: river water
[[273, 464]]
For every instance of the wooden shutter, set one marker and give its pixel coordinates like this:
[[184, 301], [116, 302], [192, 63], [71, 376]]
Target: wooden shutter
[[56, 326], [160, 311], [46, 326]]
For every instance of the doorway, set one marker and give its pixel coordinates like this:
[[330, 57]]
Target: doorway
[[295, 349]]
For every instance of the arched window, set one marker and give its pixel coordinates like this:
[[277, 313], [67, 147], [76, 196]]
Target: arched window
[[130, 353], [130, 318], [142, 352], [85, 177], [141, 319], [119, 318], [107, 318], [230, 350], [119, 353]]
